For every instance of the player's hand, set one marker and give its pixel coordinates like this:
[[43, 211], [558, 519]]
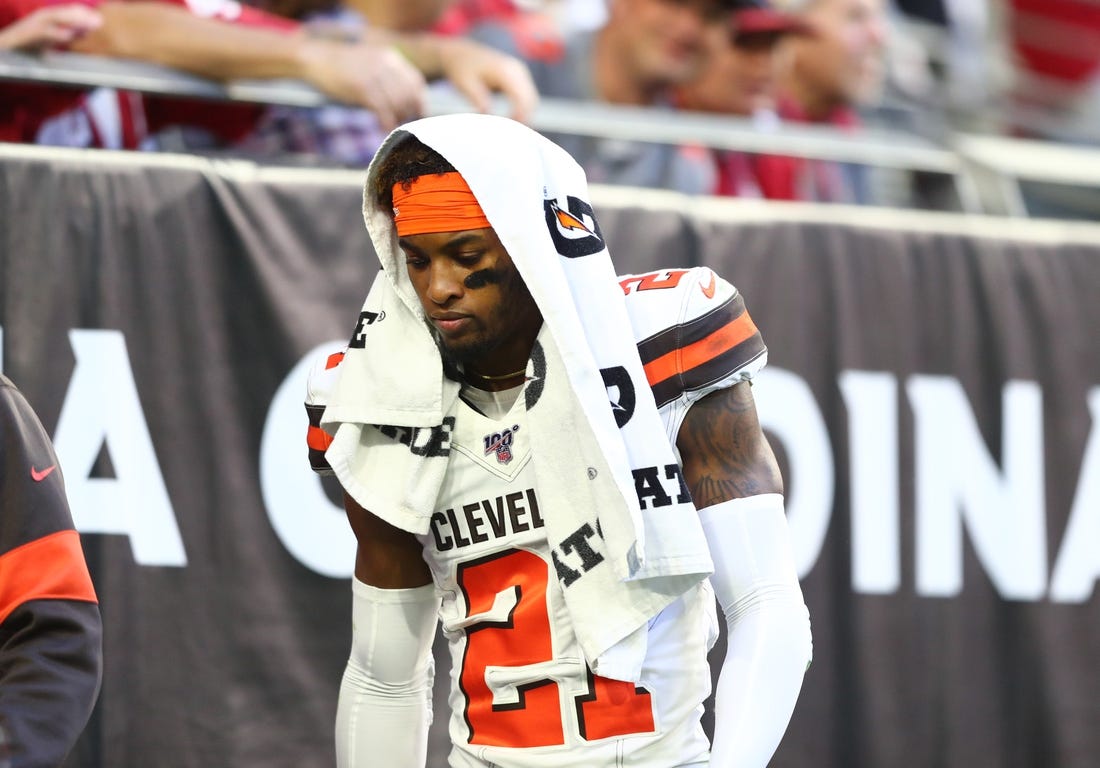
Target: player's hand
[[368, 75], [478, 71], [50, 26]]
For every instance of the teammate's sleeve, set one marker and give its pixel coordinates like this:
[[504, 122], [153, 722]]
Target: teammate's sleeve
[[50, 628], [769, 643], [322, 377], [384, 709]]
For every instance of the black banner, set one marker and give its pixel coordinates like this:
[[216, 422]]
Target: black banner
[[933, 392]]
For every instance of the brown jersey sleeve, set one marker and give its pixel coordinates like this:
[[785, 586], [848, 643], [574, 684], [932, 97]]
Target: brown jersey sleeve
[[50, 627]]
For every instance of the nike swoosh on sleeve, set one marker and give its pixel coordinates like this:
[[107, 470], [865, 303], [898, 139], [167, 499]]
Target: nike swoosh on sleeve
[[39, 476], [708, 290]]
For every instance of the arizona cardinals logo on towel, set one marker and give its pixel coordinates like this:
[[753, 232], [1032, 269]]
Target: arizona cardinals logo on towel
[[575, 231]]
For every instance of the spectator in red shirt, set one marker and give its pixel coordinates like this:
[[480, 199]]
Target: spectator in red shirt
[[254, 44], [383, 72]]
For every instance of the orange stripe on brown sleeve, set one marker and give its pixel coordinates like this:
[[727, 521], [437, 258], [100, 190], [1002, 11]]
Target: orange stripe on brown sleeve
[[49, 568], [679, 360], [318, 439]]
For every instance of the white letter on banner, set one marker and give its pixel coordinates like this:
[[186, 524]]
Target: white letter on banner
[[1078, 564], [313, 529], [958, 482], [788, 410], [872, 403], [102, 408]]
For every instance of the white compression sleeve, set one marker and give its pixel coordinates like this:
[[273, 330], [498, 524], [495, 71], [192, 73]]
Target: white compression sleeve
[[768, 646], [385, 697]]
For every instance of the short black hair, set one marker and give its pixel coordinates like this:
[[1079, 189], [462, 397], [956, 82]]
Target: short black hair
[[406, 159]]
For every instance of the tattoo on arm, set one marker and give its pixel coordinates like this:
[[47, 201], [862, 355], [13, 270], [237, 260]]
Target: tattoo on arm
[[724, 451]]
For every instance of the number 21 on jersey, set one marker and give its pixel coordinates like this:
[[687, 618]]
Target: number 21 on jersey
[[534, 719]]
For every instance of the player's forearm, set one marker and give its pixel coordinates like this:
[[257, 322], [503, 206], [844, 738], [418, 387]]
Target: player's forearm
[[174, 37], [384, 710], [766, 655], [381, 725], [424, 51], [768, 628]]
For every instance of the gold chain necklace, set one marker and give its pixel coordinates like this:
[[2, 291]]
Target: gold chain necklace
[[501, 377]]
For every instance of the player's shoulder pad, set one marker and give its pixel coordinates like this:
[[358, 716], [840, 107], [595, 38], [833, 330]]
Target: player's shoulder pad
[[319, 384], [693, 331]]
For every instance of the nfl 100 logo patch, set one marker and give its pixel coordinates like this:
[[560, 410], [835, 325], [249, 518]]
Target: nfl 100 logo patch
[[501, 443]]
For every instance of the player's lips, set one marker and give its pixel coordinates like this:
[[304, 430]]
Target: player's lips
[[450, 322]]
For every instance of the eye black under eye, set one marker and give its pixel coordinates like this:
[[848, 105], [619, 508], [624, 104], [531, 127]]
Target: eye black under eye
[[482, 278]]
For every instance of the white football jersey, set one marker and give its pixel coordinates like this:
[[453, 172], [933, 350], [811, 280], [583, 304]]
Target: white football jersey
[[521, 694]]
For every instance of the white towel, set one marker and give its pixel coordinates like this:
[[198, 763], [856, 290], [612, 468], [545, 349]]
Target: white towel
[[585, 462]]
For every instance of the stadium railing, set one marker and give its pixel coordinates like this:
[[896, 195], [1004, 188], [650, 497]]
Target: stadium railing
[[981, 174]]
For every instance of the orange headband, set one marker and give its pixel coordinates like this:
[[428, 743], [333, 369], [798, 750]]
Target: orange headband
[[438, 202]]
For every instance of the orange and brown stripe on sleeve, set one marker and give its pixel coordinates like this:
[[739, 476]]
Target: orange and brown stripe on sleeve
[[699, 352], [49, 568], [317, 441]]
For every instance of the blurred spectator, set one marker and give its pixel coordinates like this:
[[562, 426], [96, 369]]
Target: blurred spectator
[[222, 40], [50, 26], [825, 77], [741, 76], [350, 136], [644, 50], [741, 80]]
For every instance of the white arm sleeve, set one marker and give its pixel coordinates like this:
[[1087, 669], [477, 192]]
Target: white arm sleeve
[[385, 697], [769, 645]]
